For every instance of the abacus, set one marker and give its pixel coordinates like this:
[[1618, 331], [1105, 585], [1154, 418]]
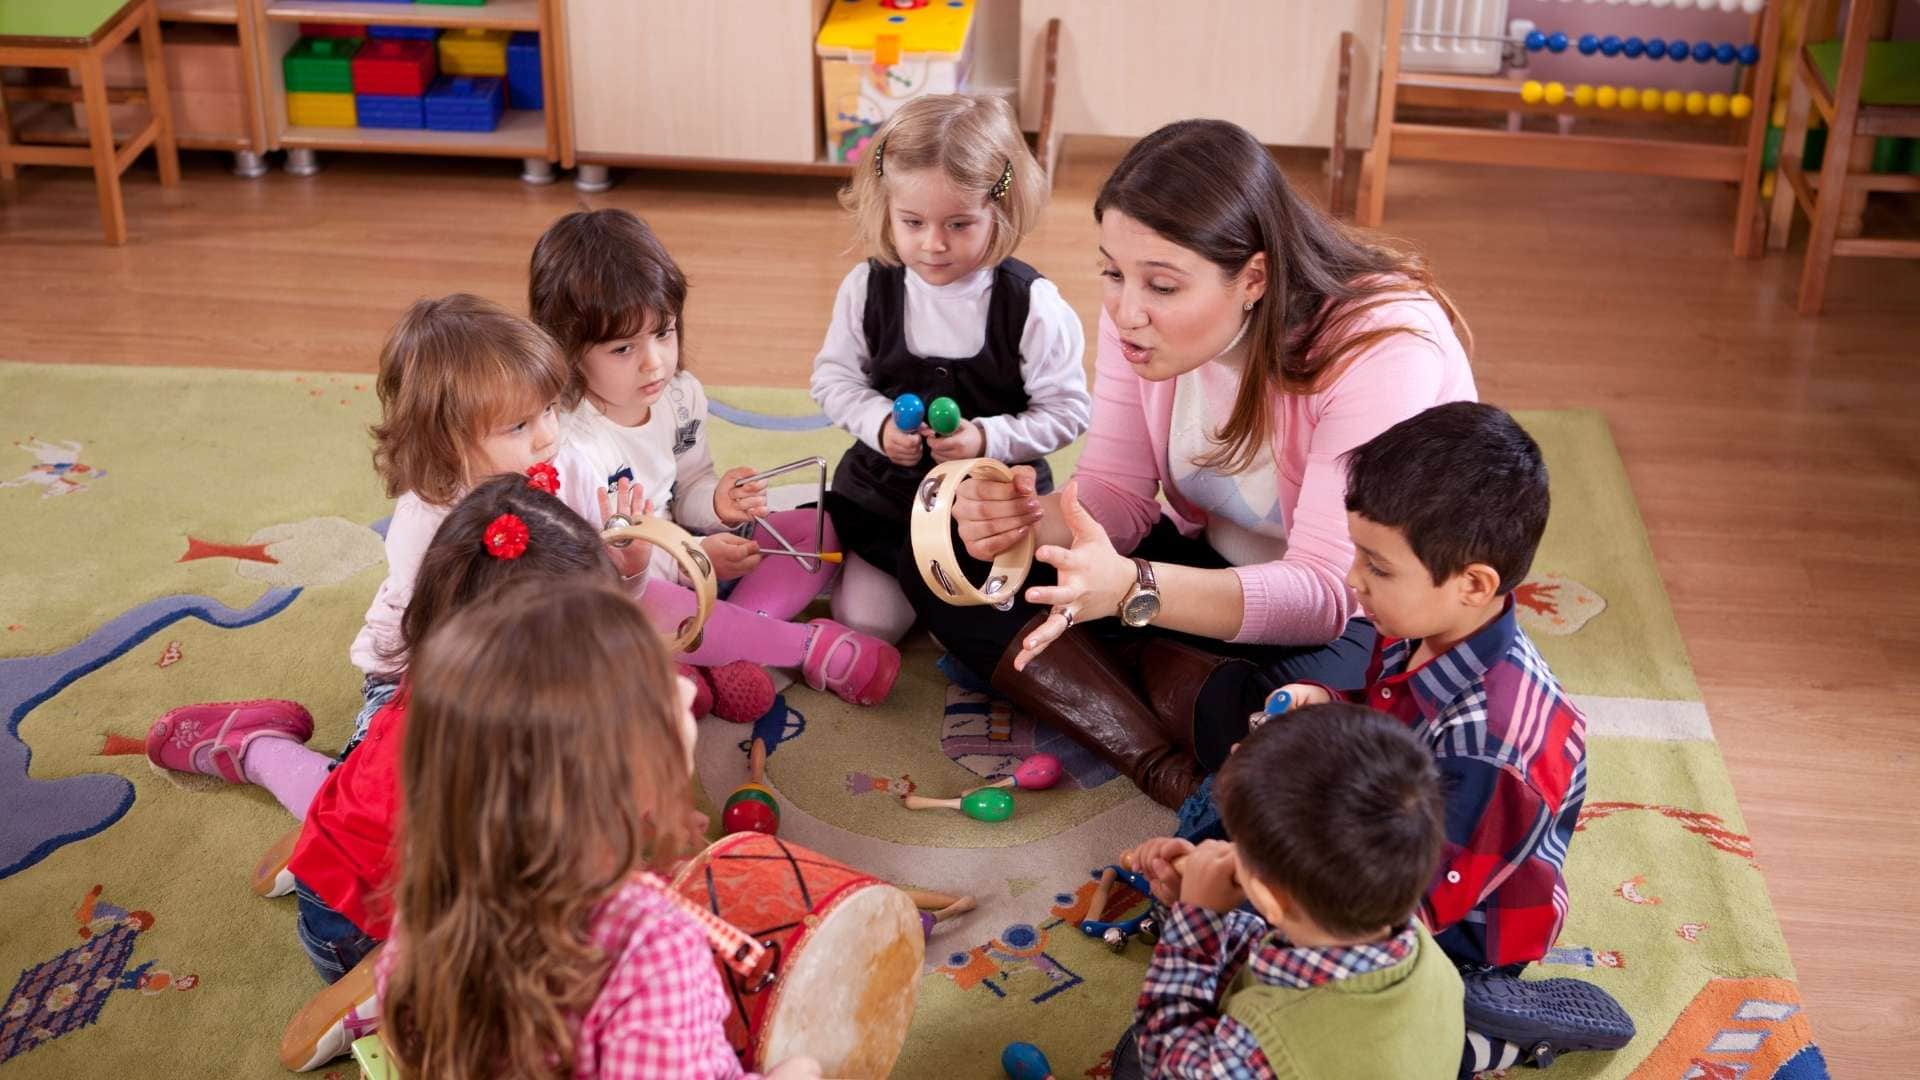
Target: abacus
[[1738, 118]]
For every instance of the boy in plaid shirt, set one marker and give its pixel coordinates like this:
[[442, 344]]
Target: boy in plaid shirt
[[1337, 823]]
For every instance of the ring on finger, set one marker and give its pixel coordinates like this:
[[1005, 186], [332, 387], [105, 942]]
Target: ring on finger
[[1066, 613]]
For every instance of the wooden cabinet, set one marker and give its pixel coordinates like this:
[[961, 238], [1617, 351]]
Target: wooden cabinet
[[695, 79], [1128, 66]]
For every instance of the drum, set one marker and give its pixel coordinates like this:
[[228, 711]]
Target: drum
[[847, 950]]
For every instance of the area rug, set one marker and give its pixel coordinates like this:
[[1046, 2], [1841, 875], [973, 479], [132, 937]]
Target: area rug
[[183, 535]]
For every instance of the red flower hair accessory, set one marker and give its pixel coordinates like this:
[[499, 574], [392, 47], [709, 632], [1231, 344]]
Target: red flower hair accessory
[[545, 477], [506, 537]]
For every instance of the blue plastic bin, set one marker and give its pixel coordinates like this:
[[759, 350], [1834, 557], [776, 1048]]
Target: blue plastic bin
[[523, 71], [390, 111], [466, 102]]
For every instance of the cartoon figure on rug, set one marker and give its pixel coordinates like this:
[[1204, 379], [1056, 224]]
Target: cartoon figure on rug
[[59, 469], [67, 992]]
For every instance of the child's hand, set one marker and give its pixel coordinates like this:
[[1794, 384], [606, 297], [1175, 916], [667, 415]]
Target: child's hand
[[738, 505], [903, 448], [1304, 694], [799, 1068], [732, 556], [1210, 878], [1155, 859], [626, 502], [967, 441]]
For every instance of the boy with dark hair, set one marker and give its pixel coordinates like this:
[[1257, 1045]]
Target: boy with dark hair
[[1336, 817], [1447, 509]]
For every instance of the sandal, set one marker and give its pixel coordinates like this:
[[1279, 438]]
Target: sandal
[[327, 1026], [271, 877], [224, 729]]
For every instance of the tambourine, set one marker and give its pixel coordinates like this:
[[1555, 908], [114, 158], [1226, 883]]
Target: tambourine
[[686, 551], [931, 528]]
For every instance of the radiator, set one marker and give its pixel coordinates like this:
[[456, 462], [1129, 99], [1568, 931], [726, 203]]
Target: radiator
[[1458, 36]]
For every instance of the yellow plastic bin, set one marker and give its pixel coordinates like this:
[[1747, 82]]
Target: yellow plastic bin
[[876, 55], [306, 108], [474, 52]]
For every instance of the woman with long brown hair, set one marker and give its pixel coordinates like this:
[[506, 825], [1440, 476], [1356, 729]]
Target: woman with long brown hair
[[1247, 341]]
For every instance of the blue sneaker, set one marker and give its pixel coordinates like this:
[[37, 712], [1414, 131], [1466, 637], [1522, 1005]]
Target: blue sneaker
[[1545, 1017]]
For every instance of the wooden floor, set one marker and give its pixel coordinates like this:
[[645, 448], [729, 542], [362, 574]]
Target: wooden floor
[[1776, 459]]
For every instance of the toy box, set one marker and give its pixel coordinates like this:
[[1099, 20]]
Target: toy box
[[466, 103], [418, 33], [390, 110], [321, 65], [206, 80], [467, 51], [394, 68], [306, 108], [523, 71], [876, 55]]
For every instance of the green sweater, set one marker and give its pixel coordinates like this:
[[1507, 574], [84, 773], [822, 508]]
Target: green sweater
[[1403, 1022]]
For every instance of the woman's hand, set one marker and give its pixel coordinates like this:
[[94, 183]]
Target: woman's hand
[[732, 556], [993, 515], [736, 503], [1210, 878], [903, 448], [626, 502], [967, 441], [1092, 579]]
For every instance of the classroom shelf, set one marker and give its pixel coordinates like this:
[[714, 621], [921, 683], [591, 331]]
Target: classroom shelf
[[522, 134], [212, 12], [493, 15]]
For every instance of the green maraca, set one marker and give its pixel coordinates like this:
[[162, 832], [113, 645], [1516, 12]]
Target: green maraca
[[987, 804], [943, 415]]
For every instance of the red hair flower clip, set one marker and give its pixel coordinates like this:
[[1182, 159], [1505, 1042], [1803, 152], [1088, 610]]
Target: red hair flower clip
[[544, 477], [506, 537]]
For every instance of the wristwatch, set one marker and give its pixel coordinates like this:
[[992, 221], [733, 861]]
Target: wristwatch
[[1142, 603]]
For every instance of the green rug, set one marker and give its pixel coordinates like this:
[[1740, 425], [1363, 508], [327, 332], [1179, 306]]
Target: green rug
[[177, 536]]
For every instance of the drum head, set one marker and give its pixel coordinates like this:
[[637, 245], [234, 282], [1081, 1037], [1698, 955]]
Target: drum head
[[846, 996]]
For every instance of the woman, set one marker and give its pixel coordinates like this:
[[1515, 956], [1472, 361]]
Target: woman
[[1247, 341]]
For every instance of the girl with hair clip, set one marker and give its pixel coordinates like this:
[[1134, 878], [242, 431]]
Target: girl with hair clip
[[940, 308], [544, 943]]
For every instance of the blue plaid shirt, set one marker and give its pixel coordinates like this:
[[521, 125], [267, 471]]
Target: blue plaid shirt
[[1184, 1034]]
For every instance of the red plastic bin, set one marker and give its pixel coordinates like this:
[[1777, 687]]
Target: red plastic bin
[[336, 30], [395, 66]]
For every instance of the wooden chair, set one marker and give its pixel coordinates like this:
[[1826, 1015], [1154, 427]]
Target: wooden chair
[[1864, 89], [77, 35]]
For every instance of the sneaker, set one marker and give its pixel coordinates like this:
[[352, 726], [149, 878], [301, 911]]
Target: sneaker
[[702, 689], [213, 738], [742, 691], [1545, 1017], [327, 1026], [857, 667], [271, 877]]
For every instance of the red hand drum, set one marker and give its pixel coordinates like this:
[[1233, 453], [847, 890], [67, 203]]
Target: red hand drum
[[847, 953]]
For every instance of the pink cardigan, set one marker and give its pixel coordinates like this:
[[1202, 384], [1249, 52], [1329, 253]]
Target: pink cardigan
[[1301, 599]]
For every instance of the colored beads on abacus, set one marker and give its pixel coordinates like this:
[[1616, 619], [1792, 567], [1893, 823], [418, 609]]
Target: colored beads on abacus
[[1588, 44], [1555, 93]]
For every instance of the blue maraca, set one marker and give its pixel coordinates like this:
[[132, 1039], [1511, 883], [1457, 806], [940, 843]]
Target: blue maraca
[[1024, 1061], [909, 412]]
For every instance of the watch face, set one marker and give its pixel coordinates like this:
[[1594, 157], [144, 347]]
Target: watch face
[[1140, 609]]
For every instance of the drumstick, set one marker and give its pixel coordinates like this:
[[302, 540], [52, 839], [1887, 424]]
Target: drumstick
[[929, 900], [1100, 891]]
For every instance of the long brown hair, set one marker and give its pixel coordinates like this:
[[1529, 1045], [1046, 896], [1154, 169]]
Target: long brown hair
[[1209, 186], [543, 764], [457, 568], [603, 275], [451, 369]]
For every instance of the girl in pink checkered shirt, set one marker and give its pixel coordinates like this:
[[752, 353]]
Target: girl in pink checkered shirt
[[546, 767]]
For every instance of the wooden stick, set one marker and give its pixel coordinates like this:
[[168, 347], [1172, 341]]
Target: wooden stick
[[1099, 901], [1005, 781], [915, 802], [757, 761]]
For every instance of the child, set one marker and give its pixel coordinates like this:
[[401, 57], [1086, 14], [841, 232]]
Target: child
[[1336, 817], [1446, 510], [538, 943], [940, 309], [466, 390], [603, 285]]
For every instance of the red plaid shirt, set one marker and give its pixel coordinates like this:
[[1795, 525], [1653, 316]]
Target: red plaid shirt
[[662, 1011], [1512, 751]]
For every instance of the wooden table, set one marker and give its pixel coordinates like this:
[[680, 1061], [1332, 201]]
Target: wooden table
[[77, 35]]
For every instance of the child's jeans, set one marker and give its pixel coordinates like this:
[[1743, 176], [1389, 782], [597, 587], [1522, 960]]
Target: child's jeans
[[374, 695], [1126, 1056], [333, 943]]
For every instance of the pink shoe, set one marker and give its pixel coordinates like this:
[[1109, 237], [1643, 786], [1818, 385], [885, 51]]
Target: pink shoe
[[176, 740], [702, 689], [858, 667], [742, 691]]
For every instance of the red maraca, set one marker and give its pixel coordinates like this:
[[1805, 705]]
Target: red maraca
[[1037, 773], [752, 807]]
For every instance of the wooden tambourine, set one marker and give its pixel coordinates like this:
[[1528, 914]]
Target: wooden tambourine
[[931, 527], [686, 550]]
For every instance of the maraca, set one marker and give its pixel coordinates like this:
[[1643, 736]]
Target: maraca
[[1037, 773], [987, 804], [936, 908], [1024, 1061], [1277, 702], [909, 411], [943, 415], [752, 807]]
